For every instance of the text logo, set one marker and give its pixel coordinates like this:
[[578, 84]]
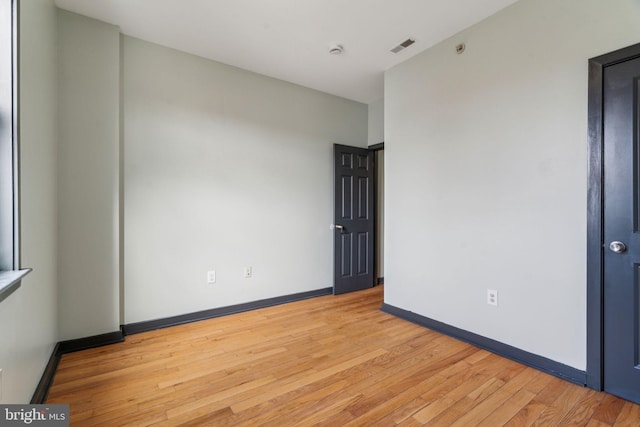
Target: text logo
[[34, 415]]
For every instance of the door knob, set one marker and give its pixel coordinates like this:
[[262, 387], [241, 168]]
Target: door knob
[[339, 227], [617, 247]]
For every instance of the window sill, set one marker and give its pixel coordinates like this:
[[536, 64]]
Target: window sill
[[10, 281]]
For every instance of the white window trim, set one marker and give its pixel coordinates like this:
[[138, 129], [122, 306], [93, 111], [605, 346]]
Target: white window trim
[[10, 272]]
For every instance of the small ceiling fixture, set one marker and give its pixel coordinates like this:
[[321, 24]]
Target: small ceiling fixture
[[336, 49], [460, 48], [402, 46]]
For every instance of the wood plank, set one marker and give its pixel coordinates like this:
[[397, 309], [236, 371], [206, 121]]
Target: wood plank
[[527, 415], [562, 405], [609, 409], [629, 416], [508, 409], [583, 410], [440, 405]]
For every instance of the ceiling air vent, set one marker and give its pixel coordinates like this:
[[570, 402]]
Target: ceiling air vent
[[402, 46]]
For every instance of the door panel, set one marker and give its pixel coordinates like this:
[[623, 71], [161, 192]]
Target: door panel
[[621, 220], [345, 259], [363, 198], [354, 219]]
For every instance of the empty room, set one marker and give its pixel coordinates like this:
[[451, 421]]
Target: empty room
[[320, 212]]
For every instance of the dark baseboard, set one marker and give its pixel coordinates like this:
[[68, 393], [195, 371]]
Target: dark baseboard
[[543, 364], [64, 347], [150, 325], [90, 342], [380, 281], [42, 390]]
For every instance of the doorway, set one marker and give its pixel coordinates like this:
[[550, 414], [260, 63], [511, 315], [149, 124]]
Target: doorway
[[358, 217], [613, 251]]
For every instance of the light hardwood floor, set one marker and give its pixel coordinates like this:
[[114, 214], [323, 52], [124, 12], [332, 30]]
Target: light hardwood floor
[[333, 360]]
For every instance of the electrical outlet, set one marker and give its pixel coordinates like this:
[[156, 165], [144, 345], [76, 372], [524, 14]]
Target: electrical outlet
[[211, 276], [248, 273], [492, 297]]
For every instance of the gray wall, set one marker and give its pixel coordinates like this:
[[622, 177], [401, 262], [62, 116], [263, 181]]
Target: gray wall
[[225, 169], [486, 173], [28, 317], [88, 187], [375, 120]]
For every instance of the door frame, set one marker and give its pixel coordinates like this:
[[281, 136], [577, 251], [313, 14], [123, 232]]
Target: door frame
[[595, 212], [374, 148]]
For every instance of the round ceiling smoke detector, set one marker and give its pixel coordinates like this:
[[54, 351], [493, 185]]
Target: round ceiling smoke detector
[[336, 49]]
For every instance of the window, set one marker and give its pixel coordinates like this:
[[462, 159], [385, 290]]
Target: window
[[10, 274]]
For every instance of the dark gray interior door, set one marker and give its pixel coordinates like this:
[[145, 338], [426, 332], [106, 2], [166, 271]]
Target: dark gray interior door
[[621, 230], [353, 219]]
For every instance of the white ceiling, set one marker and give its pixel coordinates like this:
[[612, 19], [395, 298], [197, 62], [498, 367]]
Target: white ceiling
[[290, 39]]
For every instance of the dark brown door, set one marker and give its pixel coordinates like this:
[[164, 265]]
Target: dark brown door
[[353, 219], [621, 98]]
